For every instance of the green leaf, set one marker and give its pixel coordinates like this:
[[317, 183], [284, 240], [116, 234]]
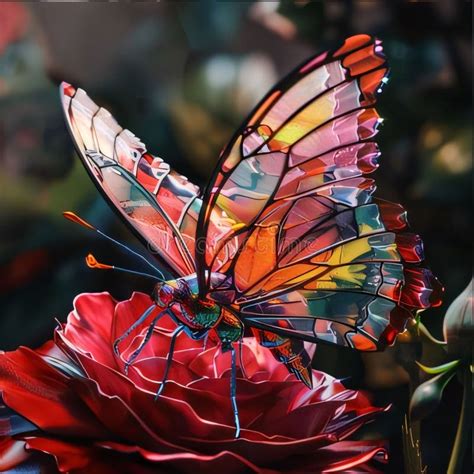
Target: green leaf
[[440, 369], [423, 330]]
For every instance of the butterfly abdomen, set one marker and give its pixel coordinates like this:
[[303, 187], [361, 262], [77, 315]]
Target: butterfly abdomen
[[290, 352], [229, 329], [207, 316]]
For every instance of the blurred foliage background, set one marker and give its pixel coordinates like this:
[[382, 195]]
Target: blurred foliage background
[[182, 76]]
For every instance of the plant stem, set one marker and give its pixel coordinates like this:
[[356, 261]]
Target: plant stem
[[464, 425]]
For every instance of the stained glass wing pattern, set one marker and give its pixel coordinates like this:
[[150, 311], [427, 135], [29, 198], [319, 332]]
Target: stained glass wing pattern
[[161, 206], [358, 294], [289, 216]]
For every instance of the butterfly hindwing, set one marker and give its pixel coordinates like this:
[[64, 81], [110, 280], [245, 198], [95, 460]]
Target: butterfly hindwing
[[161, 206]]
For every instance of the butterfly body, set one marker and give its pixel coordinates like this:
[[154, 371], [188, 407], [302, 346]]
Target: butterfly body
[[203, 316], [199, 315]]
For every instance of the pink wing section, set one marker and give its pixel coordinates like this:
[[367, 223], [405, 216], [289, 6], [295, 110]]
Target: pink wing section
[[311, 137], [160, 205], [290, 219]]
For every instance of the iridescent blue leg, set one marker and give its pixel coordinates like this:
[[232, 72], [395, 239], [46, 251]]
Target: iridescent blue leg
[[242, 366], [132, 327], [144, 342], [233, 389], [175, 334], [204, 345]]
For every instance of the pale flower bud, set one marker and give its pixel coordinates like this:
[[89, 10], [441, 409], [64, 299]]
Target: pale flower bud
[[458, 325]]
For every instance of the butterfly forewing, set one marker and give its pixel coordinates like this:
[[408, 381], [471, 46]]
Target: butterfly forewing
[[289, 216], [159, 204], [306, 134]]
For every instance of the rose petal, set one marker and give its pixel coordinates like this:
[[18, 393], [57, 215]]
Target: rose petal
[[12, 453], [41, 394], [89, 459], [88, 326], [224, 461]]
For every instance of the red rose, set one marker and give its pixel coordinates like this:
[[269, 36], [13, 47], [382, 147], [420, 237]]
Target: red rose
[[93, 418]]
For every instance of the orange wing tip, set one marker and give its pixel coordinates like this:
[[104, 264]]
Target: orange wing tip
[[92, 262], [67, 89], [353, 42], [78, 220]]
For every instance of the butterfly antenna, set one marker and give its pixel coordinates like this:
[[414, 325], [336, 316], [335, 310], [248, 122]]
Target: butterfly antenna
[[78, 220], [92, 262]]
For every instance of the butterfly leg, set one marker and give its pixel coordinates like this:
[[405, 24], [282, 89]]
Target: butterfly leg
[[175, 334], [205, 338], [229, 330], [133, 326], [241, 359], [290, 352], [144, 342], [233, 392]]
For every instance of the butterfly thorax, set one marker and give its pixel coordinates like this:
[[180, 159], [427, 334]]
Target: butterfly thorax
[[190, 309]]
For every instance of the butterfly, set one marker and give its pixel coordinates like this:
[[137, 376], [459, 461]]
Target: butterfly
[[286, 240]]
